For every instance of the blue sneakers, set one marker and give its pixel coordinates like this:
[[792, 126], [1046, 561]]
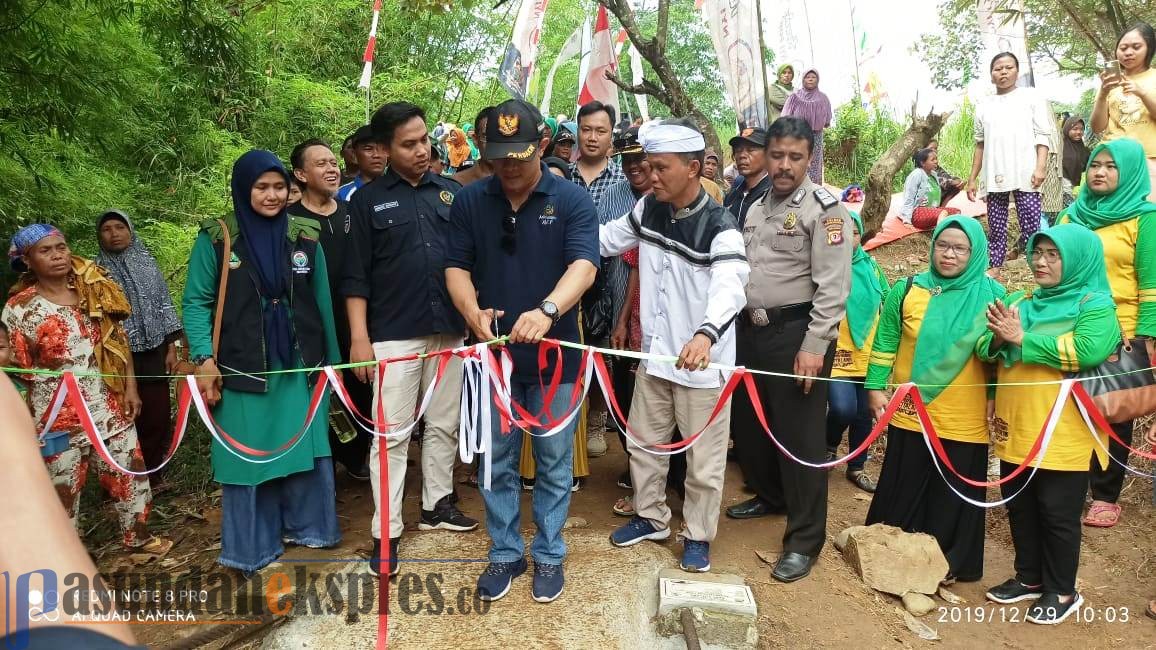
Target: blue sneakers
[[637, 530], [695, 556], [548, 582], [495, 581]]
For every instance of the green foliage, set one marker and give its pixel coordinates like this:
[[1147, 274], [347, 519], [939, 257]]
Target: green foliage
[[953, 52], [1074, 34], [860, 136], [957, 141]]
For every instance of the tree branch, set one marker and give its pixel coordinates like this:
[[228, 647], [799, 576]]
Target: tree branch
[[1088, 33], [661, 33], [647, 87]]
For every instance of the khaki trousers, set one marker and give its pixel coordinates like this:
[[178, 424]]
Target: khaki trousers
[[657, 408], [401, 392]]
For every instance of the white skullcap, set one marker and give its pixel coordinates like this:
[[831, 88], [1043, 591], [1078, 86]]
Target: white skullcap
[[664, 137]]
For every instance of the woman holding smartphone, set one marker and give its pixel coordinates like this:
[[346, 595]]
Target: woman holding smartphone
[[1126, 104]]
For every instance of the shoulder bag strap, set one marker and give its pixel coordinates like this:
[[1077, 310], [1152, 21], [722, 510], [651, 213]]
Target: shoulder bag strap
[[226, 256]]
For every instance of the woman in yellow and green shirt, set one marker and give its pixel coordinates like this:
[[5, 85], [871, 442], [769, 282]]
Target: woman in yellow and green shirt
[[847, 405], [927, 335], [1066, 325], [1126, 103], [1114, 205]]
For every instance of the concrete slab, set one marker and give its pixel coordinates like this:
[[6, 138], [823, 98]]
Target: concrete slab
[[609, 601], [721, 592]]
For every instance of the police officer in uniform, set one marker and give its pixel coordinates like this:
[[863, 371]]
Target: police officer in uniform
[[799, 250]]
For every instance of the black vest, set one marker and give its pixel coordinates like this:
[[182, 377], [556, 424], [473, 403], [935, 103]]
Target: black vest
[[242, 349]]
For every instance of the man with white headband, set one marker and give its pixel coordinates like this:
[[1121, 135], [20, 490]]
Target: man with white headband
[[693, 271]]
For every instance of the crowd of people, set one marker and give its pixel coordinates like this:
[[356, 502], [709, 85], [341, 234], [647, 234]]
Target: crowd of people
[[619, 235]]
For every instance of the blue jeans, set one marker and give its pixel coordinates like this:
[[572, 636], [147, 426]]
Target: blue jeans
[[554, 457], [300, 508], [847, 407]]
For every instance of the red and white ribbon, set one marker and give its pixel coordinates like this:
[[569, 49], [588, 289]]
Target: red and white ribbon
[[1038, 451], [378, 425], [667, 449], [243, 451], [69, 390], [1097, 422]]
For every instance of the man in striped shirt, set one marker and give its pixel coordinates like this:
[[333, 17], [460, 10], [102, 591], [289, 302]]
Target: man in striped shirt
[[693, 269]]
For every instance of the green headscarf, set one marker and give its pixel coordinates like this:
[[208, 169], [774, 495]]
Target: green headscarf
[[779, 73], [956, 313], [553, 124], [1128, 201], [866, 291], [1083, 285]]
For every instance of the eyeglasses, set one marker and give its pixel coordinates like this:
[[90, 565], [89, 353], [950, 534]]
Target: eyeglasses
[[509, 229], [954, 249], [1050, 255]]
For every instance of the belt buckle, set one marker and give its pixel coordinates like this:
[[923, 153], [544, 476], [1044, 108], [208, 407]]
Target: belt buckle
[[759, 317]]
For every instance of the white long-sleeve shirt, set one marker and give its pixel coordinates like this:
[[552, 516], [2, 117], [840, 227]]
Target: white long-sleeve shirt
[[693, 273], [1010, 126]]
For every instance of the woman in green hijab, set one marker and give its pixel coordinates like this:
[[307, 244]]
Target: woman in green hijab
[[780, 91], [927, 335], [847, 405], [1066, 325], [1114, 205]]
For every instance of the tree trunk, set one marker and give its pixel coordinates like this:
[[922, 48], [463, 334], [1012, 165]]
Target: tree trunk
[[882, 174], [669, 90]]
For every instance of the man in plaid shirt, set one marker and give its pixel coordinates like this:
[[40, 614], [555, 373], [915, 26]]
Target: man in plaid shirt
[[596, 172]]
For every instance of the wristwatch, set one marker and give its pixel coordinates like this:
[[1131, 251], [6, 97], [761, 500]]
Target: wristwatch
[[200, 359], [551, 310]]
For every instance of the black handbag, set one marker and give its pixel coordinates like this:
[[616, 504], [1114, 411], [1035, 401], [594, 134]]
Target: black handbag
[[1123, 387]]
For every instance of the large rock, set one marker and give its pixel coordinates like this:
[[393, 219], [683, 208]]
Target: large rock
[[895, 562]]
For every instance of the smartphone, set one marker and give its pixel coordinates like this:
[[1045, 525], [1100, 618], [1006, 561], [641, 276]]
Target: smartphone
[[1113, 67]]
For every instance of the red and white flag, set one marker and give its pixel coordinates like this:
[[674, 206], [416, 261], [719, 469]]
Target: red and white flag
[[367, 70], [596, 86]]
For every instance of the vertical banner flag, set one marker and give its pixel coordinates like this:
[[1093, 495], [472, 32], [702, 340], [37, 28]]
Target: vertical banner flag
[[570, 49], [595, 86], [1002, 29], [518, 62], [636, 78], [734, 29], [367, 58]]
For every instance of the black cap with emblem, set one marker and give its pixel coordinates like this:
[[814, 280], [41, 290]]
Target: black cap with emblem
[[757, 137], [627, 142], [514, 130]]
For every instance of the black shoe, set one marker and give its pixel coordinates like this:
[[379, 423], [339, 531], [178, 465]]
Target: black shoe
[[792, 567], [577, 485], [358, 473], [624, 481], [446, 516], [1048, 610], [750, 509], [1013, 591], [375, 557]]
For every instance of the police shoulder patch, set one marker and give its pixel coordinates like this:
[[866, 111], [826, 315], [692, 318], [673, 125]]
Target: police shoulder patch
[[825, 198]]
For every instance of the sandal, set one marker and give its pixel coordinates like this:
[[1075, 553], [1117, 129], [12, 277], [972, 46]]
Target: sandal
[[624, 507], [1096, 515], [158, 546], [861, 480], [1151, 611]]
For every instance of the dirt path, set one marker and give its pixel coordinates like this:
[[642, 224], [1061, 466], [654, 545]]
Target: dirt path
[[607, 591]]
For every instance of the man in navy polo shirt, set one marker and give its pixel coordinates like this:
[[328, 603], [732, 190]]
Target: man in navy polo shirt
[[523, 248]]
